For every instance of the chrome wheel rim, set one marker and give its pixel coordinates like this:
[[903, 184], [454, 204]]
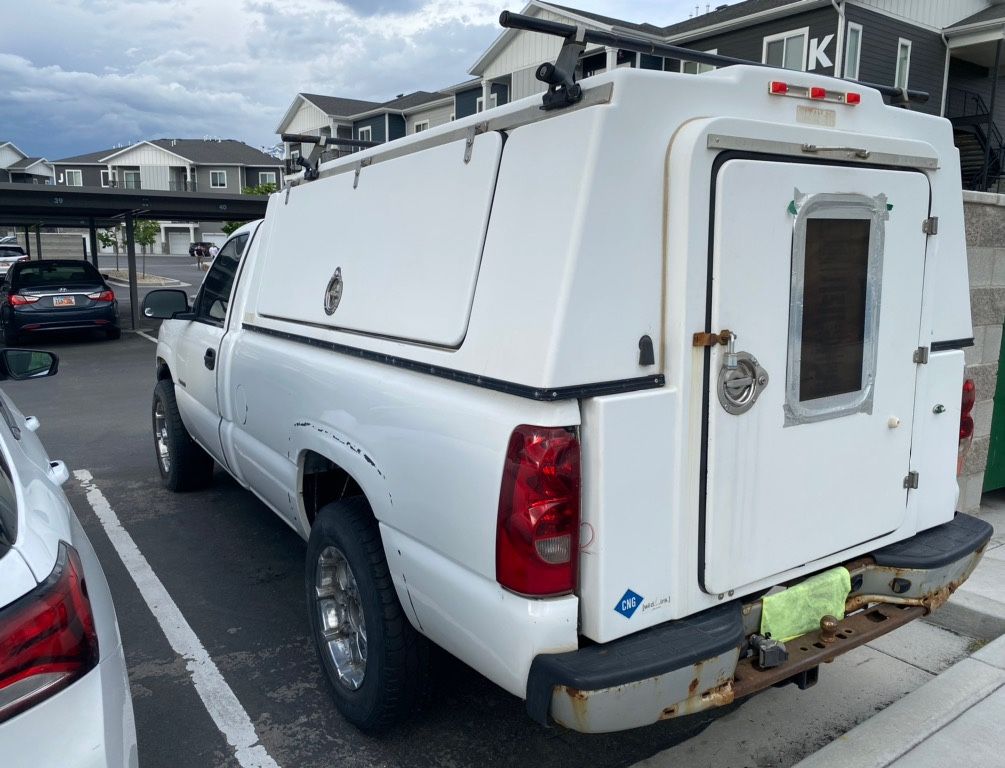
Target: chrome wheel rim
[[161, 436], [340, 617]]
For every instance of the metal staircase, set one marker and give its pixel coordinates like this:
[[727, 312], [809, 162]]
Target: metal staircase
[[968, 112]]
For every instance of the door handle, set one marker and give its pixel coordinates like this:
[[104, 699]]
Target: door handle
[[210, 359]]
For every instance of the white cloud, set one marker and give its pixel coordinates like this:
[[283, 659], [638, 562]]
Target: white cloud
[[100, 72]]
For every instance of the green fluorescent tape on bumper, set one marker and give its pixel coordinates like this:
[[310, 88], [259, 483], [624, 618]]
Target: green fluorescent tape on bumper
[[798, 609]]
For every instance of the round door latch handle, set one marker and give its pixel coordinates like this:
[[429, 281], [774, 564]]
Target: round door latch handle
[[893, 422], [940, 408], [740, 385]]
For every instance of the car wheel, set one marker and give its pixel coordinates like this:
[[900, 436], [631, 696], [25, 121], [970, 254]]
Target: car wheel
[[183, 464], [10, 338], [114, 332], [376, 664]]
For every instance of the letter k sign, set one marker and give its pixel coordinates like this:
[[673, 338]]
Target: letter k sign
[[818, 53]]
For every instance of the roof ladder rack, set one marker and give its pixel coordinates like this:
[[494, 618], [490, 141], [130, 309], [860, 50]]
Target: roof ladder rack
[[559, 92], [310, 165]]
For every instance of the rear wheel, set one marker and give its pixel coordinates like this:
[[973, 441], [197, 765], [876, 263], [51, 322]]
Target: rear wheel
[[183, 464], [10, 338], [376, 664]]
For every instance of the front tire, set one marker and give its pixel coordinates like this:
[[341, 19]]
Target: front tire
[[183, 464], [376, 664]]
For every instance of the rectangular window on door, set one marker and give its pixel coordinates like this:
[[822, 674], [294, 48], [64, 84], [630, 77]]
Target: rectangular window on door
[[852, 51], [903, 63], [837, 268]]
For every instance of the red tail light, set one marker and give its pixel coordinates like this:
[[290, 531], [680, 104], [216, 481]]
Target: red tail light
[[852, 98], [19, 300], [778, 87], [537, 537], [102, 296], [966, 407], [47, 637], [816, 92]]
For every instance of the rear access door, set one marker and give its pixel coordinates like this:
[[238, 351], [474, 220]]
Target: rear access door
[[818, 271]]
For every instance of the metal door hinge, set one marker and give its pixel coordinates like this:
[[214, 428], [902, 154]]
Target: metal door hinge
[[921, 355], [911, 481], [704, 339], [930, 226]]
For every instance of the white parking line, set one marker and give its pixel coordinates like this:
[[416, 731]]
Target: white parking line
[[219, 700], [147, 336]]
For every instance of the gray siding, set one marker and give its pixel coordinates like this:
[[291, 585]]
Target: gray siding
[[89, 174], [465, 102], [376, 123], [233, 178], [396, 127], [748, 42], [879, 55]]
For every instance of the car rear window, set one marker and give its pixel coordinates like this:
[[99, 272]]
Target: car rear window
[[32, 275], [11, 250], [8, 509]]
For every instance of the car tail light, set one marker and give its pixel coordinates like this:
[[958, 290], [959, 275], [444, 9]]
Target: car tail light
[[19, 300], [537, 536], [778, 88], [47, 637], [102, 296], [852, 98], [966, 422]]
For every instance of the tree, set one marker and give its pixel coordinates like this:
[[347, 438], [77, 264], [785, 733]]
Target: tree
[[109, 238], [145, 233], [259, 189]]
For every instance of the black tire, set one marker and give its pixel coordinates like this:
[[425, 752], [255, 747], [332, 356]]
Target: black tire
[[114, 332], [189, 467], [10, 338], [396, 676]]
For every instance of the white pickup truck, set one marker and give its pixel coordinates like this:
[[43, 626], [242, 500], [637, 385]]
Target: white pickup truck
[[638, 404]]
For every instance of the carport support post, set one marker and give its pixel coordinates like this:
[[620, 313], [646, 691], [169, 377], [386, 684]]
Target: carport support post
[[27, 241], [92, 235], [38, 239], [134, 307]]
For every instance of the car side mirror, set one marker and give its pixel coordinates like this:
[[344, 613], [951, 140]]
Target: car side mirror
[[21, 364], [104, 276], [165, 303]]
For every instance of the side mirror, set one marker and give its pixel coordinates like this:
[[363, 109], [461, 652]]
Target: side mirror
[[21, 364], [104, 276], [165, 303]]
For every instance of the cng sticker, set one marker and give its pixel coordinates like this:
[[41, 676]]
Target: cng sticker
[[628, 604]]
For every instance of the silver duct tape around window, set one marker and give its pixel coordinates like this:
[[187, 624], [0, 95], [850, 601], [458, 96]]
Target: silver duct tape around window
[[834, 328]]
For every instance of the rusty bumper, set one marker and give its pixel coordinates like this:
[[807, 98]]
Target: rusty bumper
[[704, 661]]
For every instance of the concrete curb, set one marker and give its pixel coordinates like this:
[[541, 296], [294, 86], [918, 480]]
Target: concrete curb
[[890, 734], [971, 614]]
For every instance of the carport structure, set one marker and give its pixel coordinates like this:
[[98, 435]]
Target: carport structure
[[29, 205]]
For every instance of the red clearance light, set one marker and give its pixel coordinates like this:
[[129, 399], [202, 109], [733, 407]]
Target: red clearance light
[[966, 407], [18, 300], [537, 535], [816, 92], [47, 637], [852, 98], [778, 88]]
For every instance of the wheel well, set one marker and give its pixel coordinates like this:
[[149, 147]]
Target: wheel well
[[163, 372], [324, 481]]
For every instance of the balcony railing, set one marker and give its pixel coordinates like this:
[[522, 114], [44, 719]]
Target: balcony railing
[[183, 185]]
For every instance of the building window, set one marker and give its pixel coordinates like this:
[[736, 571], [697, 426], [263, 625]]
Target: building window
[[108, 178], [294, 154], [266, 177], [366, 134], [786, 50], [852, 50], [218, 179], [131, 179], [903, 63], [422, 126], [74, 179], [694, 68], [480, 102]]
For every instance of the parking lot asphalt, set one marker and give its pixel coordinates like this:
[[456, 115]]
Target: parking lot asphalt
[[235, 572]]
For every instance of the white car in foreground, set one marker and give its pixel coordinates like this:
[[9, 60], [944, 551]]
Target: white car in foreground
[[64, 693]]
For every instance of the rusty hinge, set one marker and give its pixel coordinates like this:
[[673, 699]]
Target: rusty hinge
[[911, 481], [704, 339], [930, 226], [921, 355]]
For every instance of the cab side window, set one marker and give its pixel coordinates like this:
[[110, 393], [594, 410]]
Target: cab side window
[[214, 297]]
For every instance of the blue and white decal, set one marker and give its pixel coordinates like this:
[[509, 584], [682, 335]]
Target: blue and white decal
[[628, 604]]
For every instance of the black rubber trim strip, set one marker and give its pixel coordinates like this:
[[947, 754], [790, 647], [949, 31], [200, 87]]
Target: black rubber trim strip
[[945, 346], [721, 159], [641, 656], [938, 546], [485, 382]]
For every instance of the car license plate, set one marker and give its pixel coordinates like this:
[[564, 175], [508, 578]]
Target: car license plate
[[63, 301]]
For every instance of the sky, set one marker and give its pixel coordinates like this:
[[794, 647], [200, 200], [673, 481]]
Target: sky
[[84, 75]]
